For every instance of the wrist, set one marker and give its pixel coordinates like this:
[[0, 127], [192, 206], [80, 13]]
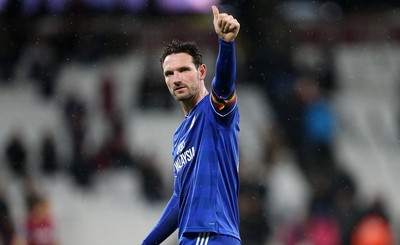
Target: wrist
[[222, 41]]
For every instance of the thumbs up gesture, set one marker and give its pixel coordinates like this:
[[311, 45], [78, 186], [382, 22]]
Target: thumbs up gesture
[[226, 26]]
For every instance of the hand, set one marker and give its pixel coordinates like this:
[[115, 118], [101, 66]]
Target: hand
[[225, 25]]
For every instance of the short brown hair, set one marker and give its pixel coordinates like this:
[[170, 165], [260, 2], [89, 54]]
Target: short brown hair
[[188, 47]]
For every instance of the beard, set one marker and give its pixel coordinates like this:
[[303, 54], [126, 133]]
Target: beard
[[182, 94]]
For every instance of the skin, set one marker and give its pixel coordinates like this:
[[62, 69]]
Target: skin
[[185, 82]]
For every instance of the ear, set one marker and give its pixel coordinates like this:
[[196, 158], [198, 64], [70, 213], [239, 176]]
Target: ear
[[203, 71]]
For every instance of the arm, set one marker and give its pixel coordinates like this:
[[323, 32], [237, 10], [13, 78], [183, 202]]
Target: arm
[[223, 85], [167, 224]]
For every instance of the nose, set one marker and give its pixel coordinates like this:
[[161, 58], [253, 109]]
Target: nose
[[177, 77]]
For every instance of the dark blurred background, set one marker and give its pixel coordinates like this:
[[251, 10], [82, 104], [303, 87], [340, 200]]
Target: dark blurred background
[[86, 121]]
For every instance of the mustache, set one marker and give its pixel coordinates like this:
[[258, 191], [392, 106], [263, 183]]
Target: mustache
[[179, 86]]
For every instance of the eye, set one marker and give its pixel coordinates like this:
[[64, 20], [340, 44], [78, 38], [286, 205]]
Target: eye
[[184, 69], [168, 73]]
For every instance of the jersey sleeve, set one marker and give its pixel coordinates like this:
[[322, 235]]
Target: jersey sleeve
[[167, 224], [223, 94]]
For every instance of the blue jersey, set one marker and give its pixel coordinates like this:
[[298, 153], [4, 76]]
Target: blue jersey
[[206, 160]]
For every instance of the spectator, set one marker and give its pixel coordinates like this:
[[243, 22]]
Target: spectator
[[31, 193], [16, 155], [107, 92], [80, 167], [114, 151], [314, 146], [374, 227], [45, 66], [40, 227], [75, 113], [48, 154], [151, 179], [320, 226], [346, 208], [254, 227], [322, 229], [7, 229], [11, 41]]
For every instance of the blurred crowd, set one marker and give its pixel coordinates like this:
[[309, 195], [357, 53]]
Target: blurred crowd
[[298, 93]]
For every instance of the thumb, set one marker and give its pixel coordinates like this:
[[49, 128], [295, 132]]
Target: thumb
[[215, 11]]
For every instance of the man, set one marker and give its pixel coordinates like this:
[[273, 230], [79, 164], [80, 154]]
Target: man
[[204, 205]]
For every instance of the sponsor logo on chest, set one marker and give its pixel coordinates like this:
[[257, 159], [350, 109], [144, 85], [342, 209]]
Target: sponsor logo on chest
[[183, 156]]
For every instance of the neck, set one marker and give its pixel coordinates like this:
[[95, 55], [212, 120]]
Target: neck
[[188, 105]]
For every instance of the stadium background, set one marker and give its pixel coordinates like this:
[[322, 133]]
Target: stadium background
[[69, 68]]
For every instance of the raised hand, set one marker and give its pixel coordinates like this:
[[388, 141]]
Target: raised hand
[[226, 26]]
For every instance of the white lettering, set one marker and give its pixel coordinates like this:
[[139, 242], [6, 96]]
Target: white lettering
[[184, 158], [181, 146]]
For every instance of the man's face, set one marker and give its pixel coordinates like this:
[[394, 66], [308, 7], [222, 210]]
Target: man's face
[[182, 77]]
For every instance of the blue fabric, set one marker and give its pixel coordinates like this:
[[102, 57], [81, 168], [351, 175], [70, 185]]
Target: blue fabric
[[206, 168], [166, 225], [319, 122], [225, 71]]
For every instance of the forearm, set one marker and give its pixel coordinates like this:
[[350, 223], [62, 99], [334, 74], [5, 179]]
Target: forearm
[[167, 224], [223, 83]]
